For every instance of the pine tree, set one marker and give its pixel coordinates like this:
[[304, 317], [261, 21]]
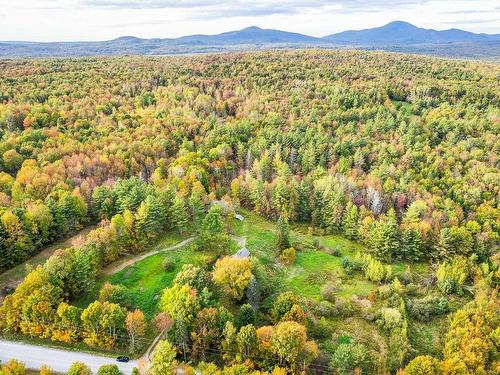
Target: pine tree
[[444, 248], [213, 236], [411, 243], [283, 234], [179, 214], [351, 221], [150, 219], [384, 237]]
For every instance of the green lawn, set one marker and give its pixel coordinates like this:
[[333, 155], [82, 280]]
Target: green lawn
[[146, 279]]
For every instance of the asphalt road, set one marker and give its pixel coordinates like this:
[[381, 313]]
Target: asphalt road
[[58, 360]]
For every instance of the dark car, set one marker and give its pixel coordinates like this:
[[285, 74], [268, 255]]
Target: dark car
[[7, 290], [122, 358]]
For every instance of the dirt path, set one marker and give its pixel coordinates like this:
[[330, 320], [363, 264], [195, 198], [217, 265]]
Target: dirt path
[[114, 268], [15, 276]]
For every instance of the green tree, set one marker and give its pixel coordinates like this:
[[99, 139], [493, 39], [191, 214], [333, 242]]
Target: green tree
[[350, 222], [109, 370], [180, 302], [163, 359], [150, 219], [179, 214], [282, 234], [288, 341], [423, 365], [246, 315], [350, 357], [213, 236], [283, 304], [247, 340]]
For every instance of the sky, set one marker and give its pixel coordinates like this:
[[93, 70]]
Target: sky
[[76, 20]]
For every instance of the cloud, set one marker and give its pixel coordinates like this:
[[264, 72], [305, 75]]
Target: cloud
[[472, 11], [471, 21], [259, 7]]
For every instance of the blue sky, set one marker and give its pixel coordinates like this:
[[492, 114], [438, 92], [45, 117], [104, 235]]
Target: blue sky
[[51, 20]]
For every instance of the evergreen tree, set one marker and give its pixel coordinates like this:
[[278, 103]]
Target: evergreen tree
[[213, 236], [411, 243], [179, 214], [384, 237], [150, 219], [351, 221], [303, 207], [283, 234], [444, 248]]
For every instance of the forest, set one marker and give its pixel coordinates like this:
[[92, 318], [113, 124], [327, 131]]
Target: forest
[[363, 186]]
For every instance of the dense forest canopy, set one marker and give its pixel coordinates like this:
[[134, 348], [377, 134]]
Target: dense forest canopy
[[397, 152]]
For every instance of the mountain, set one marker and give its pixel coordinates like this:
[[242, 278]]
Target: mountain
[[395, 36], [404, 33], [250, 35]]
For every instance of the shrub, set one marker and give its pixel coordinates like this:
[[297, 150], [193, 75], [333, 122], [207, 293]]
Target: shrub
[[246, 315], [118, 294], [377, 272], [328, 292], [168, 265], [109, 370], [389, 319], [287, 256], [349, 357], [423, 309], [320, 329], [335, 252], [451, 277], [283, 304]]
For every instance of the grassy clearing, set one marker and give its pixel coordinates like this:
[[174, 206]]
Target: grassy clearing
[[147, 278]]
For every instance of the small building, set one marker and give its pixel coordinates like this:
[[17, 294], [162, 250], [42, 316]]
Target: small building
[[242, 253], [238, 217]]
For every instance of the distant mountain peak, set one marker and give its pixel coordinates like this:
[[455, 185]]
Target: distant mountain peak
[[127, 38], [401, 33], [252, 28], [401, 24]]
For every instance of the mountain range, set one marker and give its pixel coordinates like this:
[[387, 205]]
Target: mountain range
[[395, 36]]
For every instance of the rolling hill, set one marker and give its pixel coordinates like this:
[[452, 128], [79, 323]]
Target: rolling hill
[[403, 33], [395, 36]]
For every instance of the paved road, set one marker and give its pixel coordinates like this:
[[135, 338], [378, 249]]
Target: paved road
[[59, 360]]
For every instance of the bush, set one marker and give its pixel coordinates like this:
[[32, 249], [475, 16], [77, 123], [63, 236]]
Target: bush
[[109, 370], [389, 319], [283, 304], [377, 272], [79, 368], [118, 294], [335, 252], [425, 308], [349, 357], [328, 292], [246, 316], [320, 329], [168, 265], [287, 256], [451, 276]]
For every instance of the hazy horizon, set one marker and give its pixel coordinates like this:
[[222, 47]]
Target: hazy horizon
[[97, 20]]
